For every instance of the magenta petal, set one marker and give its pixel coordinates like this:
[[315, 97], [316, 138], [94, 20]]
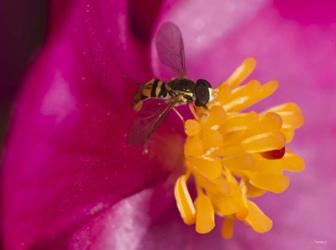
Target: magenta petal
[[204, 25], [125, 225], [309, 12], [67, 150], [302, 58]]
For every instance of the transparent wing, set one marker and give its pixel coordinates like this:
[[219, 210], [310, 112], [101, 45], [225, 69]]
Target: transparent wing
[[170, 47], [147, 121]]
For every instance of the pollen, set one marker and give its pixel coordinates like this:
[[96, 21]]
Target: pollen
[[233, 155]]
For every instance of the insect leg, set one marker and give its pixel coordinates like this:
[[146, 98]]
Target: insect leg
[[179, 114], [192, 110]]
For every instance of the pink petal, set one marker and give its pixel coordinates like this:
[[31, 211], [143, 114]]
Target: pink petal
[[125, 225], [301, 57], [67, 154], [310, 13]]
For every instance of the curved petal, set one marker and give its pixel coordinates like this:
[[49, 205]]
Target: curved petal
[[67, 156], [121, 226]]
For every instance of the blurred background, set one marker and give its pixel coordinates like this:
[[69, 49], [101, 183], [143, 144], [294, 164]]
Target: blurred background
[[23, 28]]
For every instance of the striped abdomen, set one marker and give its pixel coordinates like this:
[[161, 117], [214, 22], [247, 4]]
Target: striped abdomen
[[155, 88]]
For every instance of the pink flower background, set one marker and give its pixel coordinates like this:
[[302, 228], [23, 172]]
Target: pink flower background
[[71, 182]]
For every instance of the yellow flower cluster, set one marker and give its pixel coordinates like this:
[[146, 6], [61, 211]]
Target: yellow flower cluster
[[232, 156]]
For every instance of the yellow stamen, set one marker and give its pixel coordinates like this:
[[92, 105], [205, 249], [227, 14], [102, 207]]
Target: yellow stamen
[[184, 201], [264, 142], [193, 146], [242, 72], [205, 214], [271, 182], [207, 167], [235, 156], [192, 127], [259, 221], [291, 117], [227, 228]]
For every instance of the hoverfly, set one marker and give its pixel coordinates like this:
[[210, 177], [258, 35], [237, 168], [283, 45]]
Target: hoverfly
[[179, 91]]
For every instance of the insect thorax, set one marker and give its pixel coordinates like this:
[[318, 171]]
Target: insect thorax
[[181, 88]]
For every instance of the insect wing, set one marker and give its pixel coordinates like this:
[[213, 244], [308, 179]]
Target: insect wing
[[147, 121], [170, 47]]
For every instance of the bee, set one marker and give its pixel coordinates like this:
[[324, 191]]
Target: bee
[[173, 93]]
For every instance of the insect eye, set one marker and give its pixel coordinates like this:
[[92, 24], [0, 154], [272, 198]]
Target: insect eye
[[202, 92], [204, 83]]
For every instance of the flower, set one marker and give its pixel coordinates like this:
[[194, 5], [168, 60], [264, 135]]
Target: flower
[[70, 181], [234, 155]]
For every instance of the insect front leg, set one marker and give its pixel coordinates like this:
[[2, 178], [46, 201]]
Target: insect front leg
[[193, 110], [179, 114]]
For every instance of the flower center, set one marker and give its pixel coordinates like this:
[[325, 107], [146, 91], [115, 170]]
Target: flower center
[[233, 156]]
